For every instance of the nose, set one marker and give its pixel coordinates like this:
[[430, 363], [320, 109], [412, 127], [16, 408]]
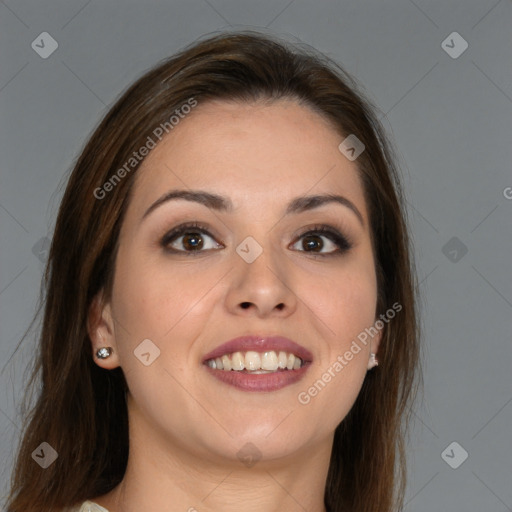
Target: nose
[[261, 288]]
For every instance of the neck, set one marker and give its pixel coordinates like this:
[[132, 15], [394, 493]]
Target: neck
[[163, 476]]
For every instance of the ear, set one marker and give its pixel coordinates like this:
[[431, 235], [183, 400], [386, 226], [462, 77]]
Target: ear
[[374, 349], [100, 327], [375, 342]]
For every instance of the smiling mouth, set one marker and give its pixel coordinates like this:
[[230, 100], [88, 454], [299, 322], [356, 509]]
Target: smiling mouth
[[253, 362]]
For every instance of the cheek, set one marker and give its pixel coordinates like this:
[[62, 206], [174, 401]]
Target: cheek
[[344, 305], [344, 300], [156, 300]]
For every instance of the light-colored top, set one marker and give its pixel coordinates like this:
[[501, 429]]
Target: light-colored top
[[89, 506]]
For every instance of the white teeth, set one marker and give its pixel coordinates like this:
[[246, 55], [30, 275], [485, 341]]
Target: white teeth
[[226, 363], [252, 360], [255, 362], [237, 361], [269, 361]]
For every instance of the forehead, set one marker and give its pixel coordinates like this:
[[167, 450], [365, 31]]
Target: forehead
[[250, 151]]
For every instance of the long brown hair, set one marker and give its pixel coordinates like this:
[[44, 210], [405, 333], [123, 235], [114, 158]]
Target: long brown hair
[[81, 409]]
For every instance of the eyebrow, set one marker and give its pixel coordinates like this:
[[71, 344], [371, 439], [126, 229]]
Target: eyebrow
[[213, 201], [304, 203], [223, 204]]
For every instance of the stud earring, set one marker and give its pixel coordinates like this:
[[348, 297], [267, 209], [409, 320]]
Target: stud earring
[[104, 352], [372, 361]]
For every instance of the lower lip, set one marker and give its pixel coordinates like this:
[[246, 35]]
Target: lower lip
[[261, 381]]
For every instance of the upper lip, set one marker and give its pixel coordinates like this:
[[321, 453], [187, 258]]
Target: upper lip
[[260, 343]]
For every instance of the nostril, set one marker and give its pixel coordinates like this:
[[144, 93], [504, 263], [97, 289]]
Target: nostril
[[247, 305]]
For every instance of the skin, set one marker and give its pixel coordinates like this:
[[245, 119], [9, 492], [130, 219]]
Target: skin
[[186, 427]]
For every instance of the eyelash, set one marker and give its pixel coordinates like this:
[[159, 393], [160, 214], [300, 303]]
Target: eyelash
[[341, 241], [333, 235], [181, 230]]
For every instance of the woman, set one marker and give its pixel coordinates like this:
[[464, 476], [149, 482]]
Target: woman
[[229, 265]]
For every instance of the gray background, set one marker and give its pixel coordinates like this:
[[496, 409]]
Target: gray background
[[449, 117]]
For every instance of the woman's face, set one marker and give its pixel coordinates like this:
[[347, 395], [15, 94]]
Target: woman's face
[[253, 264]]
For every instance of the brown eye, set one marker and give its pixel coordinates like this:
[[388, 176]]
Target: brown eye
[[312, 243], [189, 239], [323, 241], [192, 241]]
